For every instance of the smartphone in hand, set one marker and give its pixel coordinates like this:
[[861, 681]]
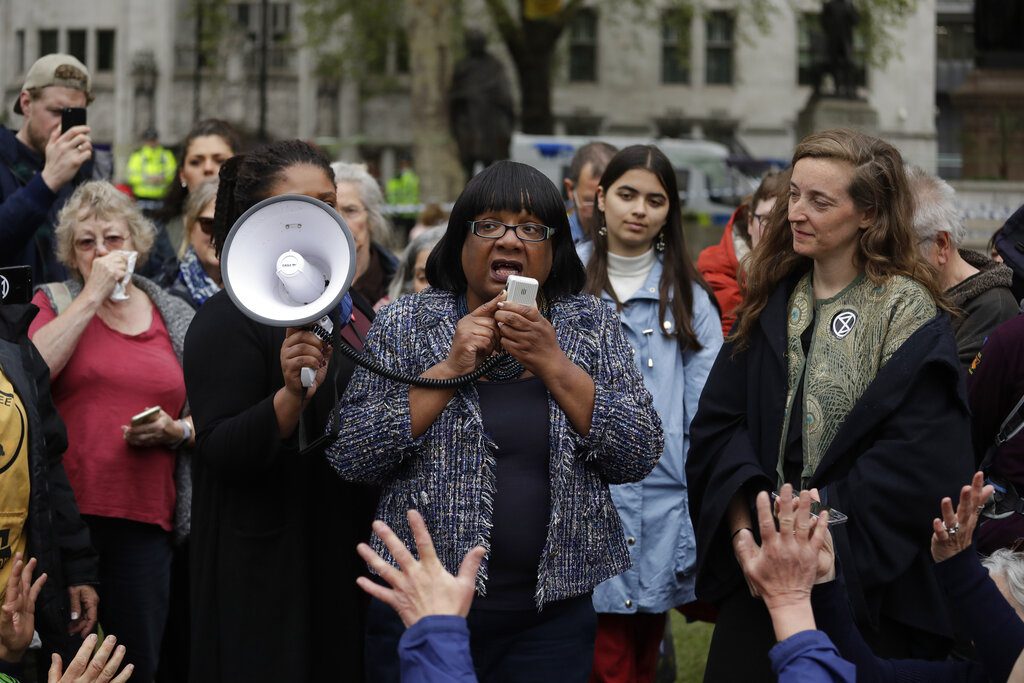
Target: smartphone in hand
[[834, 516], [147, 415], [71, 117]]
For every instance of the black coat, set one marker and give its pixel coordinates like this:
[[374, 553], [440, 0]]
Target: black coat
[[273, 532], [903, 446], [57, 536]]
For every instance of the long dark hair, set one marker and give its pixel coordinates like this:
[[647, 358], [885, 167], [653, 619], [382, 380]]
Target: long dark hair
[[246, 179], [888, 247], [678, 273], [174, 201], [508, 186]]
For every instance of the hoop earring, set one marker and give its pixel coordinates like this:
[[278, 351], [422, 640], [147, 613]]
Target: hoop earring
[[660, 244]]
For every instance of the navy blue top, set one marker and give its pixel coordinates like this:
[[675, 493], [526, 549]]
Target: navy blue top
[[983, 613], [515, 417]]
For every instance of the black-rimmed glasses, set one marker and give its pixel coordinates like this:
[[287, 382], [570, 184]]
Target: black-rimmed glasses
[[491, 229]]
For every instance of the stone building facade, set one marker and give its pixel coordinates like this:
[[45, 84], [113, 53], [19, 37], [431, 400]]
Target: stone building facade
[[621, 69]]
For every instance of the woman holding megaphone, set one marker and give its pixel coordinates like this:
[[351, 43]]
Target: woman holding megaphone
[[519, 462], [266, 513]]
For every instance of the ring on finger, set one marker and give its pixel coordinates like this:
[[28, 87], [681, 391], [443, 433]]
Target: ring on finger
[[979, 509], [951, 530]]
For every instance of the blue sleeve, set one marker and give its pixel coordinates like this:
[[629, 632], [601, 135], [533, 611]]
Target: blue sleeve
[[436, 650], [22, 212], [625, 438], [708, 327], [993, 625], [810, 657]]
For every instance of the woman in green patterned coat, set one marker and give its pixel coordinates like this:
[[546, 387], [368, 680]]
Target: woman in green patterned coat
[[841, 374]]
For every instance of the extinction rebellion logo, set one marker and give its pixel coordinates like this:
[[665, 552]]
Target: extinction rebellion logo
[[843, 322]]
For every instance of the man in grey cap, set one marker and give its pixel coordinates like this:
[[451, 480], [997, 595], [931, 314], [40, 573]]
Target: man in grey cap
[[40, 166]]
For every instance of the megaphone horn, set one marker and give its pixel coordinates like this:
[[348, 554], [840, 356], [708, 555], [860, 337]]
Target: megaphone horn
[[288, 261]]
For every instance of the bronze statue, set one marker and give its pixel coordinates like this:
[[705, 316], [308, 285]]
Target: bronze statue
[[998, 26], [838, 19], [480, 106]]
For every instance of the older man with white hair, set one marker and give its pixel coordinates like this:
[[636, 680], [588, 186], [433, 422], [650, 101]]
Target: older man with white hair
[[974, 283]]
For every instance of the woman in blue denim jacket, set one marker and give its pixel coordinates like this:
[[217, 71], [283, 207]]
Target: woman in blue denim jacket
[[521, 463], [638, 263]]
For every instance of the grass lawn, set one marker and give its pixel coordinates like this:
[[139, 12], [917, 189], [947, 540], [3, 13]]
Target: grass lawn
[[691, 641]]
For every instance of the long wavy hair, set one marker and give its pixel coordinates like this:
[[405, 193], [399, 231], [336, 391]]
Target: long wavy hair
[[886, 248], [678, 272]]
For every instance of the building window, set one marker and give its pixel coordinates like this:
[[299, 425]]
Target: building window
[[954, 39], [47, 41], [19, 40], [719, 47], [105, 50], [389, 57], [675, 47], [811, 51], [583, 47], [76, 44]]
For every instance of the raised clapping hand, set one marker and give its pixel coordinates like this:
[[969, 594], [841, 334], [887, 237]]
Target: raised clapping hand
[[424, 587], [954, 531], [788, 561], [18, 615], [101, 669]]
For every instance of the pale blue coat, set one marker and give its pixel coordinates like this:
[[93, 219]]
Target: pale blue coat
[[655, 512]]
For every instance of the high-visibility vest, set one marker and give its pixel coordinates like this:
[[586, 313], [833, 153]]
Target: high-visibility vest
[[150, 171]]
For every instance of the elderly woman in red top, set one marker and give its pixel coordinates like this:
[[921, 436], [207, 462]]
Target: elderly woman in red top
[[113, 343]]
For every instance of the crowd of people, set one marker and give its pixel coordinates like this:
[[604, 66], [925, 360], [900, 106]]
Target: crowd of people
[[770, 434]]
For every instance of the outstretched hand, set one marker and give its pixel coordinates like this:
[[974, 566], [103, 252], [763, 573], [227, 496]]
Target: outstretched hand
[[421, 587], [18, 615], [954, 531], [99, 669], [786, 564]]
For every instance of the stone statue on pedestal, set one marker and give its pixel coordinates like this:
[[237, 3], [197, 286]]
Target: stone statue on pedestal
[[480, 106], [838, 19], [998, 27]]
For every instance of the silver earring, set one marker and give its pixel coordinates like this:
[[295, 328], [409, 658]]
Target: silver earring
[[183, 184], [603, 231], [660, 244]]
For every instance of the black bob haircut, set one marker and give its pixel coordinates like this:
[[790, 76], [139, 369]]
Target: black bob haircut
[[508, 186]]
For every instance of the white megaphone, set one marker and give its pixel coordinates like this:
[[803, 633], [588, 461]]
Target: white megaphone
[[288, 262]]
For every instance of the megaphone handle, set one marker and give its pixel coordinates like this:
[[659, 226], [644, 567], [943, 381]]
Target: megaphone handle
[[307, 375]]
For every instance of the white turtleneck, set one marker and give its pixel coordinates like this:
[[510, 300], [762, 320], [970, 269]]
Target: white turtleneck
[[628, 273]]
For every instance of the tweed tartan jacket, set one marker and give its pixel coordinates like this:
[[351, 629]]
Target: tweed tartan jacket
[[448, 473]]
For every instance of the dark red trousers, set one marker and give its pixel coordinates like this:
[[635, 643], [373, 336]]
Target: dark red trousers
[[626, 649]]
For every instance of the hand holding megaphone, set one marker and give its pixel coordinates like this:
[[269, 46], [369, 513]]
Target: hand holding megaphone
[[303, 350]]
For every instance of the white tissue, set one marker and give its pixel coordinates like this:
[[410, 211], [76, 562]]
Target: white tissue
[[119, 293]]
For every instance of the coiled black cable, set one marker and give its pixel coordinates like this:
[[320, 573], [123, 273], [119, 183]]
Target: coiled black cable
[[374, 366]]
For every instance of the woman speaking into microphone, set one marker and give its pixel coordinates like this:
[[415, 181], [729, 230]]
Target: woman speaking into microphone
[[273, 529], [520, 461]]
